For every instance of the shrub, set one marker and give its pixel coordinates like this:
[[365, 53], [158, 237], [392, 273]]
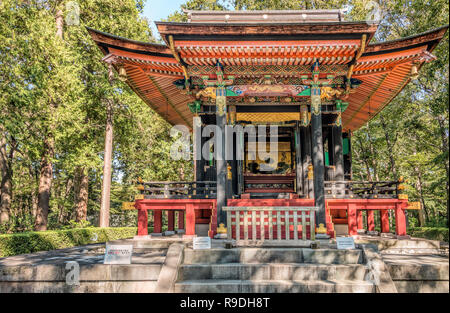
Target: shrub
[[30, 242], [432, 233]]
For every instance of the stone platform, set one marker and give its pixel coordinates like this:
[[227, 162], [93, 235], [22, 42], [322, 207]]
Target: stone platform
[[169, 264]]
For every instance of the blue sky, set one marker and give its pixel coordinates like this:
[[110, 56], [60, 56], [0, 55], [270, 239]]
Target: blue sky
[[156, 10]]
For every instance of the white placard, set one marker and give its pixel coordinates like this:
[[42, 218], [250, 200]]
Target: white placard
[[345, 243], [118, 254], [202, 243]]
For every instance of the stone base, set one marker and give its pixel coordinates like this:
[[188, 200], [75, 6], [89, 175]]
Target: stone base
[[221, 236], [148, 237], [373, 233], [169, 233], [361, 231], [189, 236], [155, 235], [388, 235], [322, 236], [180, 231], [403, 237]]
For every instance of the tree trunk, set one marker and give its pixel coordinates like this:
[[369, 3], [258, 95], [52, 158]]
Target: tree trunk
[[106, 187], [423, 214], [6, 179], [46, 172], [81, 194], [45, 184], [444, 143], [34, 197]]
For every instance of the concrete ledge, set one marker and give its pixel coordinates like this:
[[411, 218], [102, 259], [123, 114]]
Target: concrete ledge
[[169, 271], [383, 243], [422, 286], [328, 256], [284, 271], [88, 272], [272, 286], [84, 287], [273, 255], [423, 272]]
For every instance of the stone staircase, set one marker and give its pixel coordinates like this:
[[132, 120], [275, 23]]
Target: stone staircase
[[273, 270], [46, 272]]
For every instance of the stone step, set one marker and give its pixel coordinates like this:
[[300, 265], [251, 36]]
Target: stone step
[[406, 244], [280, 271], [88, 272], [83, 287], [272, 255], [273, 286]]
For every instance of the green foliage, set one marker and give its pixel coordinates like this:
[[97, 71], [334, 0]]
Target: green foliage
[[81, 224], [59, 87], [432, 233], [410, 136], [30, 242]]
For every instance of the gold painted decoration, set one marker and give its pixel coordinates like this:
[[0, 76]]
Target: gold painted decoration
[[310, 172], [208, 92], [316, 104], [414, 205], [221, 103], [329, 93], [268, 117], [403, 197], [304, 116], [338, 122], [139, 197], [128, 206]]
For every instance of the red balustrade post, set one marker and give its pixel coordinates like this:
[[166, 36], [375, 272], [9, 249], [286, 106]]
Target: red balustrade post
[[384, 218], [190, 220], [142, 222], [359, 216], [180, 219], [400, 220], [352, 219], [370, 220], [170, 220], [157, 221]]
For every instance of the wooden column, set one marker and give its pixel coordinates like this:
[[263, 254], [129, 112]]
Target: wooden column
[[197, 147], [347, 159], [384, 220], [221, 121], [317, 153], [352, 219], [190, 220], [180, 219], [142, 222], [298, 162], [157, 221], [370, 220], [170, 220], [400, 221], [307, 161], [359, 216], [338, 157], [221, 164]]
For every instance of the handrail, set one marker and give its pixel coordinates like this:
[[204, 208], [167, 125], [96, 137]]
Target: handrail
[[269, 208], [300, 218]]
